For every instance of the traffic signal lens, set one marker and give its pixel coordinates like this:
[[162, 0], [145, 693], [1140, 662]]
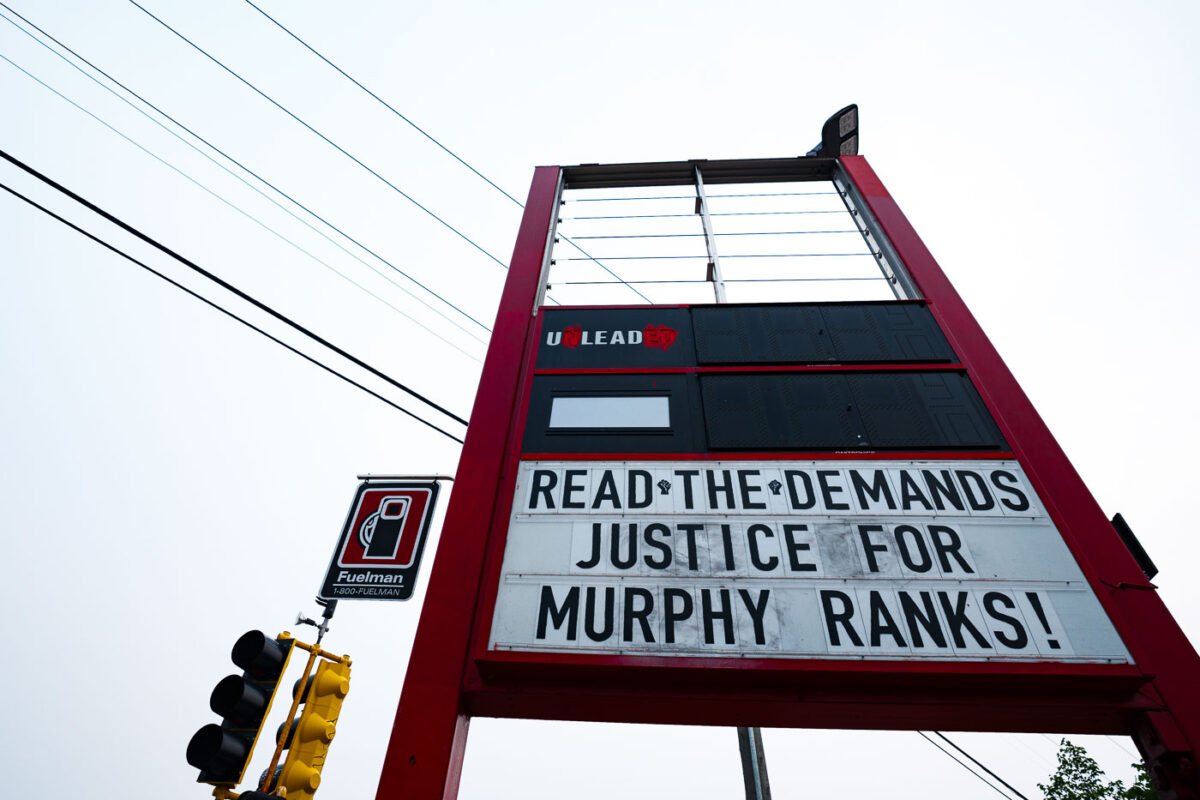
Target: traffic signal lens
[[330, 683], [290, 729], [316, 728], [214, 749], [300, 777], [237, 700], [257, 655]]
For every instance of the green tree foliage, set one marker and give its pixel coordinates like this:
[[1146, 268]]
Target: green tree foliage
[[1142, 789], [1079, 777]]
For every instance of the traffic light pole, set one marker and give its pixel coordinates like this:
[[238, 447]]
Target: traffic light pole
[[314, 652], [269, 772]]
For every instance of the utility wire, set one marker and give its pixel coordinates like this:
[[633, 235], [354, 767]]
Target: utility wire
[[986, 782], [1008, 786], [1117, 742], [415, 127], [384, 103], [223, 283], [231, 159], [237, 208], [325, 138], [224, 311], [231, 173]]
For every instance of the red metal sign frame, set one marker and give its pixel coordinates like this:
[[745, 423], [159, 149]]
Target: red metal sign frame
[[453, 676]]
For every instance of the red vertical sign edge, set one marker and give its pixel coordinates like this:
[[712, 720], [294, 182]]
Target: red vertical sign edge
[[424, 755], [1155, 640]]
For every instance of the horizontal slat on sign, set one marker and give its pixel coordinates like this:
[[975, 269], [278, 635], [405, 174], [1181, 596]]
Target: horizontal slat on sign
[[973, 488], [802, 333], [880, 548], [999, 621]]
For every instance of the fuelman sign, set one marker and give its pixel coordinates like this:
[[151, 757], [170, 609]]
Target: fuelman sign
[[814, 559]]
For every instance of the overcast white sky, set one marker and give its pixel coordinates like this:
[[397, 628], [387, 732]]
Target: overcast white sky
[[171, 479]]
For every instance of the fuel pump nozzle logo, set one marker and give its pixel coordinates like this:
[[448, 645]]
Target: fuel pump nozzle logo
[[379, 533]]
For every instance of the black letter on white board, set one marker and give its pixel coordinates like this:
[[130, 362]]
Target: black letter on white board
[[567, 613], [589, 613], [724, 613], [1019, 638], [757, 611], [923, 618], [671, 615], [594, 558], [1007, 483], [956, 618], [834, 618], [543, 482], [640, 614]]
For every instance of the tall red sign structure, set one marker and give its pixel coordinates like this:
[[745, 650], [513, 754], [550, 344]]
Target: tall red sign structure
[[805, 515]]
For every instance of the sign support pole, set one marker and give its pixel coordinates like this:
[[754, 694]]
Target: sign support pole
[[754, 764], [754, 761]]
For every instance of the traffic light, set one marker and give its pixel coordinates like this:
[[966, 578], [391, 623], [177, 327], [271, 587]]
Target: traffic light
[[308, 737], [221, 752]]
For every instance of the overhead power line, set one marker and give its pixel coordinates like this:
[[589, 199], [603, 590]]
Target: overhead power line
[[384, 103], [229, 158], [224, 311], [427, 135], [322, 136], [224, 284], [1123, 748], [1007, 785], [953, 758], [237, 208]]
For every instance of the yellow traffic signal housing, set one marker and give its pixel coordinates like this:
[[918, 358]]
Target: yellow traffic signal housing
[[309, 735]]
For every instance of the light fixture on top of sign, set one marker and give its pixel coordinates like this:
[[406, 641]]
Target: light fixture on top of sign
[[839, 134]]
